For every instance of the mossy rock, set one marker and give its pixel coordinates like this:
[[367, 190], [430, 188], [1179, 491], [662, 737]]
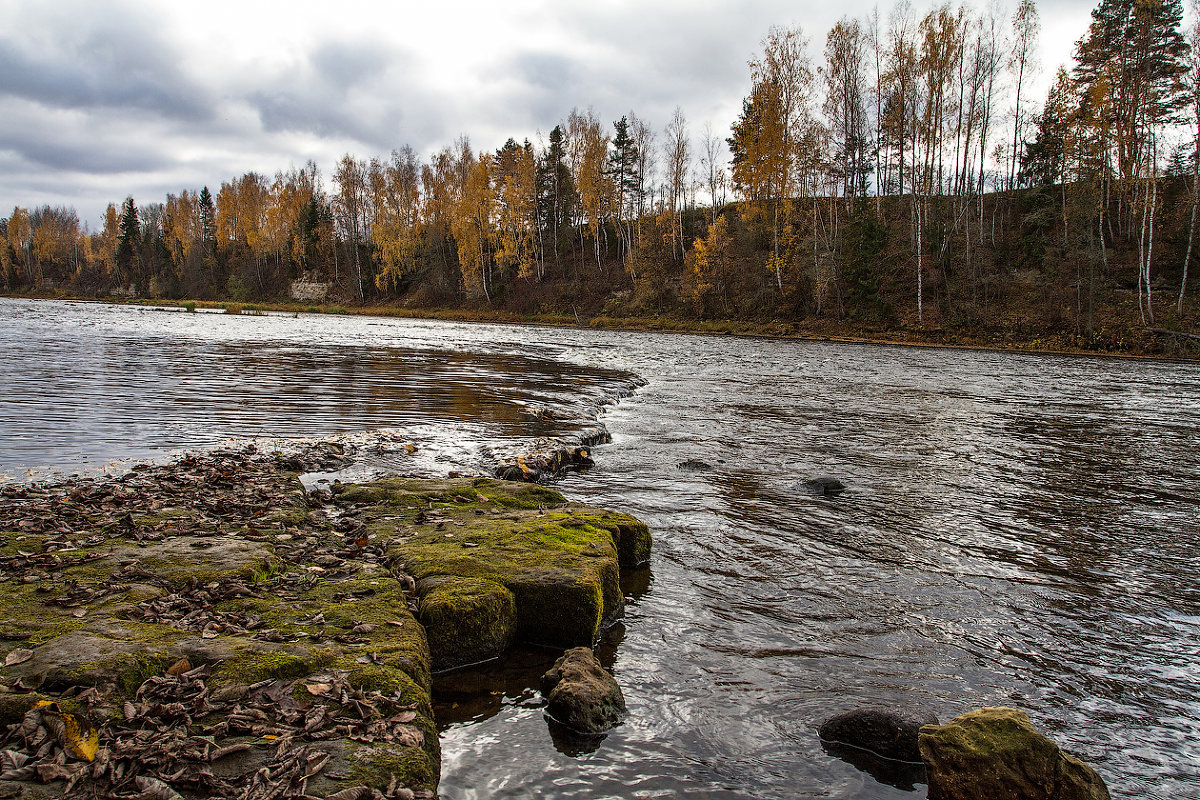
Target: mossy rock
[[996, 754], [378, 765], [561, 570], [630, 536], [432, 493], [467, 620], [199, 560]]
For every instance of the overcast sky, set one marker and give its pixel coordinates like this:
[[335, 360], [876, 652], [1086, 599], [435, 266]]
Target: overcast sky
[[100, 99]]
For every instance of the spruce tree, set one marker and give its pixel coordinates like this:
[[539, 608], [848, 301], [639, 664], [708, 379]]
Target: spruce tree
[[129, 238]]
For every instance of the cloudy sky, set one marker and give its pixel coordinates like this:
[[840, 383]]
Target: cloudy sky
[[100, 99]]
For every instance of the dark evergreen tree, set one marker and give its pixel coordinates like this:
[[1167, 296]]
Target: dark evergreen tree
[[129, 238], [1132, 60], [557, 197]]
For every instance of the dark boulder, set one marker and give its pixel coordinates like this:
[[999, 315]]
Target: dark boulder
[[995, 754], [581, 694], [694, 465], [823, 486], [888, 734]]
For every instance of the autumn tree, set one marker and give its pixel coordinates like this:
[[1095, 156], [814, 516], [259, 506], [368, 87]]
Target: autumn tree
[[711, 268], [351, 211], [1022, 62], [515, 188], [472, 222], [20, 238], [845, 74]]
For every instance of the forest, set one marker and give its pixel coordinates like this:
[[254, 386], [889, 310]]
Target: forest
[[895, 176]]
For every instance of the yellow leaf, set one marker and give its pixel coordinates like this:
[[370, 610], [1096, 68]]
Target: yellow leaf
[[78, 737]]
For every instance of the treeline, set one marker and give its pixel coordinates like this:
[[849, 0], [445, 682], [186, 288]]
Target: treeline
[[902, 175]]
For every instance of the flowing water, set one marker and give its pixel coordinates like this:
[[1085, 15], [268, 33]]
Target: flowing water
[[1016, 529]]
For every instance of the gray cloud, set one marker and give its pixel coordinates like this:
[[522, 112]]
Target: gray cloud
[[351, 90], [98, 64], [100, 100]]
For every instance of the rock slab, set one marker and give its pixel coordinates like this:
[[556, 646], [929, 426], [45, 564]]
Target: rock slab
[[995, 754], [581, 694]]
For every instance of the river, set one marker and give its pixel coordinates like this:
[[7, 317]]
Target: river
[[1016, 529]]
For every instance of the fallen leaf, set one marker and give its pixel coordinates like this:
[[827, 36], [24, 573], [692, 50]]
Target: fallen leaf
[[18, 656], [318, 689], [154, 789], [179, 667]]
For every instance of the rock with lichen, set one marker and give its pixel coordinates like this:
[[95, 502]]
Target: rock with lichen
[[581, 694], [996, 754]]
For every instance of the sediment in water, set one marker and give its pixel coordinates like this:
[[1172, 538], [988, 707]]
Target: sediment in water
[[218, 627]]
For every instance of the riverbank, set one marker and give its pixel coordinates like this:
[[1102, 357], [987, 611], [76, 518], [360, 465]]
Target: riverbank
[[207, 626], [1113, 337]]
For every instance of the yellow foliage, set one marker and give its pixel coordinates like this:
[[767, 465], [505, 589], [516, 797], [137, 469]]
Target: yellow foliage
[[77, 736]]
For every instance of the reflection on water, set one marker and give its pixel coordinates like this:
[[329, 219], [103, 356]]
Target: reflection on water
[[137, 382], [1016, 530]]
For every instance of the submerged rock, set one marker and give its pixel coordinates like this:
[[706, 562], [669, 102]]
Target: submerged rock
[[995, 754], [694, 465], [581, 694], [889, 734], [823, 485]]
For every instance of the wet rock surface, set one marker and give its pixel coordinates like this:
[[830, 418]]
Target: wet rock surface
[[887, 733], [207, 628], [822, 486], [581, 695], [995, 754]]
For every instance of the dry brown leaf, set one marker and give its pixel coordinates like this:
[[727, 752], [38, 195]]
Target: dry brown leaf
[[154, 789], [18, 656], [318, 689], [179, 667], [353, 793]]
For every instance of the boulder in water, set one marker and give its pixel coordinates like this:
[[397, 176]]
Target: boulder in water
[[886, 733], [824, 485], [581, 694], [694, 465], [995, 754]]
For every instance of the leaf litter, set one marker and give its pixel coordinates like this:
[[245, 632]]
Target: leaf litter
[[176, 737]]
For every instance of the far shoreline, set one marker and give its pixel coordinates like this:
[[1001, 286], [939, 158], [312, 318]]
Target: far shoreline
[[774, 330]]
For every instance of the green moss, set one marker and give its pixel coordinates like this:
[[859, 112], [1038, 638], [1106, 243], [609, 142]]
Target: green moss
[[378, 765], [395, 639], [630, 536], [259, 665], [561, 570], [511, 494], [467, 620], [148, 650]]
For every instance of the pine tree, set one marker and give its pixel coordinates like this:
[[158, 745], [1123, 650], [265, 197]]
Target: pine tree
[[129, 237]]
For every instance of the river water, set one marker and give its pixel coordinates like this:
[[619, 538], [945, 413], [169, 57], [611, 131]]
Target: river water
[[1016, 529]]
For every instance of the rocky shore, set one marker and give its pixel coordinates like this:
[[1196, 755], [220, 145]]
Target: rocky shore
[[208, 628]]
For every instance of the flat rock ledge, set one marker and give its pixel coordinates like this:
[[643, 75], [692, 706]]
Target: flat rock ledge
[[206, 629]]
